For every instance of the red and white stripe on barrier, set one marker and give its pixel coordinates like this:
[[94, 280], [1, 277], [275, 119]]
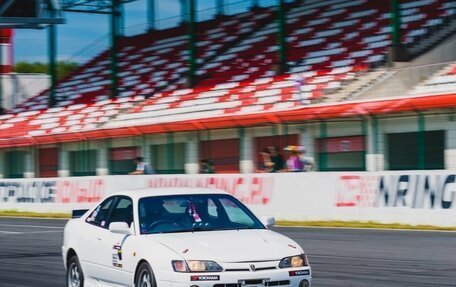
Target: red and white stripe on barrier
[[6, 55]]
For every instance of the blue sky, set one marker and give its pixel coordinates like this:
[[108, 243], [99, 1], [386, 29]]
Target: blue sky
[[89, 30]]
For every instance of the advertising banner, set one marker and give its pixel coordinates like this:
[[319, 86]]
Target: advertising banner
[[406, 197]]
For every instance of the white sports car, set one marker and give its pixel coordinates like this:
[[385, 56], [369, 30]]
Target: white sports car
[[179, 237]]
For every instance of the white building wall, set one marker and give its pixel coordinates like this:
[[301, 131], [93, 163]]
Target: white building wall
[[450, 146]]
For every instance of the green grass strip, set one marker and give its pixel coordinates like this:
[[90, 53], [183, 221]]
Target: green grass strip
[[340, 224], [15, 213], [359, 224]]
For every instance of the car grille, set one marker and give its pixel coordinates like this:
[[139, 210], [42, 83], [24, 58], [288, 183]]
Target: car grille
[[248, 270], [278, 283], [256, 282]]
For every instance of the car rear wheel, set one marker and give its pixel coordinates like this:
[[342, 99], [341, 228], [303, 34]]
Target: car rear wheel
[[75, 277], [145, 276]]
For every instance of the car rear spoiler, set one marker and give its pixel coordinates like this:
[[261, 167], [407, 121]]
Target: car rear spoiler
[[77, 213]]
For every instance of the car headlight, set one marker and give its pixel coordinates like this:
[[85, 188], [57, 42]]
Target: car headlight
[[294, 261], [196, 266]]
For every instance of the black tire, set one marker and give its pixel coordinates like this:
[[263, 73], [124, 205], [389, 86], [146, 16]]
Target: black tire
[[145, 277], [74, 276]]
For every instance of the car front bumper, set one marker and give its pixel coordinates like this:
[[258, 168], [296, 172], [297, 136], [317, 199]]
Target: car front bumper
[[278, 277]]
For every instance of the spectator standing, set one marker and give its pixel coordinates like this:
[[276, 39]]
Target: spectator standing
[[142, 167], [276, 159], [294, 163], [308, 163], [206, 166], [265, 165]]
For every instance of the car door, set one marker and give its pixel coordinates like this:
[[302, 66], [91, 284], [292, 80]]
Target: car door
[[117, 248], [93, 236]]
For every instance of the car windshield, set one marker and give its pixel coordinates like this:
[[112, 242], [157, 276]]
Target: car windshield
[[190, 213]]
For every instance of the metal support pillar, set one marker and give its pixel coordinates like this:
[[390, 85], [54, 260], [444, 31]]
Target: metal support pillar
[[374, 159], [146, 151], [364, 134], [115, 27], [64, 163], [421, 142], [282, 64], [29, 162], [306, 139], [151, 16], [220, 7], [170, 152], [192, 44], [246, 156], [103, 158], [52, 34], [192, 154], [375, 134], [323, 156]]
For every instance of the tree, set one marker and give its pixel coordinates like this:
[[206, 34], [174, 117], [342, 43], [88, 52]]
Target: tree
[[63, 68]]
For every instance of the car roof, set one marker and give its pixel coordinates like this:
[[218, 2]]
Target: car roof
[[147, 192]]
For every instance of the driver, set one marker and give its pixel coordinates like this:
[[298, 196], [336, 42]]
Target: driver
[[150, 212]]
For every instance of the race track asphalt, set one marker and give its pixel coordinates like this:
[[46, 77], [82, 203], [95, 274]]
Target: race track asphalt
[[30, 255]]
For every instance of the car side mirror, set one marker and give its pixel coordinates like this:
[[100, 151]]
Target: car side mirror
[[120, 228], [268, 221]]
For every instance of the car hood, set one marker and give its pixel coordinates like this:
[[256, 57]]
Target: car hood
[[230, 246]]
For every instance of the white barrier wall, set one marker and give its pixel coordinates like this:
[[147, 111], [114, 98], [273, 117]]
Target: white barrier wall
[[406, 197]]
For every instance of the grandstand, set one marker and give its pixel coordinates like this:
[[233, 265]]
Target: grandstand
[[244, 99]]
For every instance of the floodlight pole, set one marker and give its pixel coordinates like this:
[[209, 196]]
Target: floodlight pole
[[52, 34], [220, 7], [183, 6], [151, 16], [398, 52], [115, 15], [192, 44], [282, 65], [396, 23]]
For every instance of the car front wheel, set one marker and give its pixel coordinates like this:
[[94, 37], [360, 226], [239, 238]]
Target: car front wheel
[[75, 277], [145, 276]]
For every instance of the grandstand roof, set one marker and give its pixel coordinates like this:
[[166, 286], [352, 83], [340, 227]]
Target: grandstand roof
[[306, 113]]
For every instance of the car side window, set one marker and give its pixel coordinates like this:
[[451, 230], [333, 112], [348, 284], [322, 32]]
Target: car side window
[[99, 216], [123, 211]]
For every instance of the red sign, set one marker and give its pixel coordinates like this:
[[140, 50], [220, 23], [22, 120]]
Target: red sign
[[124, 153], [359, 191], [342, 144], [249, 190]]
